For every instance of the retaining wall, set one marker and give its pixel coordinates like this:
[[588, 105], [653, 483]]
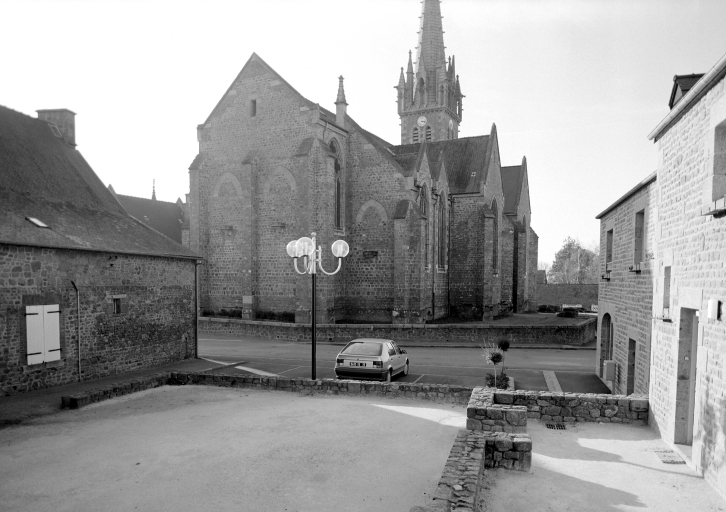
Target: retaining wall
[[473, 334]]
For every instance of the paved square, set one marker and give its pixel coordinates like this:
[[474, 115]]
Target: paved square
[[208, 448]]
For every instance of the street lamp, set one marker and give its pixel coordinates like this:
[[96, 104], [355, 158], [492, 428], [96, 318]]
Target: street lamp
[[312, 256]]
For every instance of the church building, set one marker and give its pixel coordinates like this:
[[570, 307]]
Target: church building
[[436, 226]]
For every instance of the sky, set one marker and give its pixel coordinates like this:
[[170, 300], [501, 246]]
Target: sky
[[575, 86]]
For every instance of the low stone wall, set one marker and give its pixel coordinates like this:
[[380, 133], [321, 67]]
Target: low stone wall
[[453, 334], [472, 453], [572, 407], [483, 413], [433, 392], [558, 294]]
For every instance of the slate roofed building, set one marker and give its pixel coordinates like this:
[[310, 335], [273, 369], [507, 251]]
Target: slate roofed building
[[86, 290], [436, 228], [165, 217]]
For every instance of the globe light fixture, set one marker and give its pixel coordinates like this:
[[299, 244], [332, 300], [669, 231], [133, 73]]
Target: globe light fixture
[[311, 254]]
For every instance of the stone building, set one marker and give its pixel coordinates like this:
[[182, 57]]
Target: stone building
[[669, 305], [85, 289], [436, 226], [165, 217]]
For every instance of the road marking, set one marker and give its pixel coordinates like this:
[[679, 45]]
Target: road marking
[[256, 371], [553, 384], [223, 363], [291, 369], [421, 377]]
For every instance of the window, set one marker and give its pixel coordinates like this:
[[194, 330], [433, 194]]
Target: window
[[666, 291], [424, 205], [429, 136], [116, 306], [719, 163], [609, 251], [639, 237], [442, 232], [253, 108], [415, 136], [37, 222], [421, 92], [338, 203], [43, 333], [495, 238]]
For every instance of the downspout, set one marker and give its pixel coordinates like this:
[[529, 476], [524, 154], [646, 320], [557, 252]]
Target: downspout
[[78, 310], [196, 309], [448, 259]]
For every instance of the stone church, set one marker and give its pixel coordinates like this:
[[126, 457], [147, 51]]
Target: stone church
[[436, 226]]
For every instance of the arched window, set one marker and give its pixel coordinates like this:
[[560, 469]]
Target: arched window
[[338, 213], [415, 136], [442, 231], [421, 92], [495, 238], [429, 137], [424, 206]]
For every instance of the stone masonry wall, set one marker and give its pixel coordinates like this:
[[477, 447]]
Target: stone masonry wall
[[625, 301], [558, 294], [693, 247], [155, 326], [415, 333]]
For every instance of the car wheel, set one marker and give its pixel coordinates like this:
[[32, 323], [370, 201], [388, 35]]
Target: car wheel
[[405, 369], [389, 375]]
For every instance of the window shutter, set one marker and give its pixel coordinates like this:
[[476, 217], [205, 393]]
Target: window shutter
[[124, 307], [51, 331], [108, 308], [34, 328]]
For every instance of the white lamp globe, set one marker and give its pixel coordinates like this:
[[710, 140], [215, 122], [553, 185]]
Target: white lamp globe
[[291, 248], [340, 249], [304, 247]]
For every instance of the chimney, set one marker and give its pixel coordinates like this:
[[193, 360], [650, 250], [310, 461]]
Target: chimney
[[340, 104], [64, 120]]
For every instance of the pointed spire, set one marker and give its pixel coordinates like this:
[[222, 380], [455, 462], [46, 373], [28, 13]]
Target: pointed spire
[[431, 37], [341, 91], [340, 104], [410, 63], [401, 81], [153, 191]]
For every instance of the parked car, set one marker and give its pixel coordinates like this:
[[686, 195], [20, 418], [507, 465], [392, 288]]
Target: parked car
[[371, 358]]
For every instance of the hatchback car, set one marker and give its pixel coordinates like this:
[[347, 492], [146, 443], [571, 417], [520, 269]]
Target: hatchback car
[[371, 358]]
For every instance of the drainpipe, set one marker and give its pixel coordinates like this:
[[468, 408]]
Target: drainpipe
[[78, 309], [196, 309]]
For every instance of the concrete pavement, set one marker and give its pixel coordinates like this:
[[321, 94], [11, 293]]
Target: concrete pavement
[[204, 448]]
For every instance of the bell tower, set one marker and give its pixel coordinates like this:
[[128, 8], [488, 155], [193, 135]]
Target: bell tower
[[429, 95]]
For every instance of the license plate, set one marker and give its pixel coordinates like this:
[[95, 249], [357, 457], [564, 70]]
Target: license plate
[[357, 363]]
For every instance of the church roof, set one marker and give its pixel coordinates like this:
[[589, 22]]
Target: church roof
[[512, 178], [167, 218], [46, 179], [465, 160]]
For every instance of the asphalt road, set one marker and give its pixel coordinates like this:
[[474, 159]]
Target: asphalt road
[[429, 365]]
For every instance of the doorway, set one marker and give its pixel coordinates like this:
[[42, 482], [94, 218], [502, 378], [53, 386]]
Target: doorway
[[686, 376], [630, 386]]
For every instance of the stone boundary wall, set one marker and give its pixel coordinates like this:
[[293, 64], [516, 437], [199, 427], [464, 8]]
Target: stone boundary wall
[[433, 392], [558, 294], [507, 411], [473, 453], [469, 334]]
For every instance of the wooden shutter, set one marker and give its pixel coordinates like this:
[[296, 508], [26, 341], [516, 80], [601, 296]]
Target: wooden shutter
[[34, 328], [51, 331]]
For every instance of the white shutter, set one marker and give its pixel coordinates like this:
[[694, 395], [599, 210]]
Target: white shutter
[[51, 332], [34, 327]]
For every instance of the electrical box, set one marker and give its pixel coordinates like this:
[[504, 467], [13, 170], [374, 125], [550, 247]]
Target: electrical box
[[608, 370]]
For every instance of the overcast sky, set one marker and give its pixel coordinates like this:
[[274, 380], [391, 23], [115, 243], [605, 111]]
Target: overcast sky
[[575, 86]]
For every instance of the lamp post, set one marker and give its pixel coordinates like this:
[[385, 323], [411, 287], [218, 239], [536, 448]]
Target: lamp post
[[312, 256]]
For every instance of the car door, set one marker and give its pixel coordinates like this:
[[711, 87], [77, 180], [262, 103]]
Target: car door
[[393, 356], [401, 356]]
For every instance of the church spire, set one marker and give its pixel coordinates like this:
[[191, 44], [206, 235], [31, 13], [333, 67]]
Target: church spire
[[340, 104], [153, 190], [430, 37]]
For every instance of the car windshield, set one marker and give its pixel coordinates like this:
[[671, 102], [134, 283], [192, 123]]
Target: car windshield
[[363, 348]]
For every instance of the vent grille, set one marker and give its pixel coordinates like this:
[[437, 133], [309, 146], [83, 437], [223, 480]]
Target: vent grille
[[556, 426], [667, 456]]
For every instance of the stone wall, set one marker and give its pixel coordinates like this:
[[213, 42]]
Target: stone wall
[[692, 247], [444, 334], [558, 294], [154, 326]]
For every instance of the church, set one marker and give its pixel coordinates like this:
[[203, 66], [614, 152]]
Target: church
[[436, 226]]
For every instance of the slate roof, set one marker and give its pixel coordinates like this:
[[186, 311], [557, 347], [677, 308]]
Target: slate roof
[[512, 178], [167, 218], [465, 160], [681, 85], [43, 177]]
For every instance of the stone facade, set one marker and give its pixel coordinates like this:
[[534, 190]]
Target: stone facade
[[425, 220], [672, 308], [155, 324], [559, 294]]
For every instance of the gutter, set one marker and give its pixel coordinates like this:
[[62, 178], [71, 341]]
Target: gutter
[[701, 87]]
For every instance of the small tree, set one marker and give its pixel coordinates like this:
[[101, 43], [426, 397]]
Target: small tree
[[494, 354]]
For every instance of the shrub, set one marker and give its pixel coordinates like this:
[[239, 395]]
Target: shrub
[[502, 380]]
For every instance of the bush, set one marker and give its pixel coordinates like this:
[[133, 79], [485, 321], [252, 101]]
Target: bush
[[283, 316], [502, 380]]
